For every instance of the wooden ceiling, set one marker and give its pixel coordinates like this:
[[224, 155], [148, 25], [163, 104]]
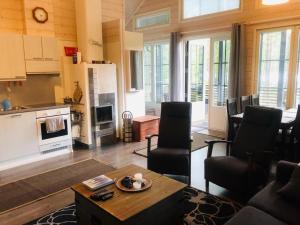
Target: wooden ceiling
[[131, 6]]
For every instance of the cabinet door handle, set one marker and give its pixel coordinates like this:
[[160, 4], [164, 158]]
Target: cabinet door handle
[[38, 58], [15, 116]]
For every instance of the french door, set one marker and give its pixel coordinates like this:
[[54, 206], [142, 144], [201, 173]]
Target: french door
[[206, 76], [197, 77], [220, 56]]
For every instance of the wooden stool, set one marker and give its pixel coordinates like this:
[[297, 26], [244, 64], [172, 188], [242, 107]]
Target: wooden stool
[[145, 125]]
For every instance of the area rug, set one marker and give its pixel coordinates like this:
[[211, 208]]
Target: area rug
[[198, 143], [34, 188], [200, 208], [206, 209]]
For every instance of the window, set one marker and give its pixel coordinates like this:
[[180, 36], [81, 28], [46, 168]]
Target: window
[[297, 94], [153, 19], [274, 53], [273, 2], [221, 55], [194, 8], [157, 74]]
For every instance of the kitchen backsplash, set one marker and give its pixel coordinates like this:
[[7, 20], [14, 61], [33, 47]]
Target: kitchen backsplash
[[37, 89]]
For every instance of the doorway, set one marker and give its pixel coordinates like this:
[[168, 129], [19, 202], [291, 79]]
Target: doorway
[[206, 80]]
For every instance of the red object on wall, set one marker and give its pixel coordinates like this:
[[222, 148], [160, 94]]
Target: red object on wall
[[70, 51]]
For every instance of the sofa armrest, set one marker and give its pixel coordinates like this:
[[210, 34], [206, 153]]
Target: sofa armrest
[[284, 171]]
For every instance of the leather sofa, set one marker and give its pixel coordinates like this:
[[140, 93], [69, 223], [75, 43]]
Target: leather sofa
[[267, 207]]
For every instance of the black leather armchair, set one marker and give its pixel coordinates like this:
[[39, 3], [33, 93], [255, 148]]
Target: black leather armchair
[[247, 165], [173, 152]]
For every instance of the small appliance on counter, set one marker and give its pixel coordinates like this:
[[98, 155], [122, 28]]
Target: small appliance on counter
[[6, 104]]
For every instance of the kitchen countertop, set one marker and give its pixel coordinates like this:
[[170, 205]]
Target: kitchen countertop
[[37, 107]]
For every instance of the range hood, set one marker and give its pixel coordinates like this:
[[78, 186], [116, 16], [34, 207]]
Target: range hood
[[39, 67]]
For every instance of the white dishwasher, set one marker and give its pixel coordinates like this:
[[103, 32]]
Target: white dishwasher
[[18, 135]]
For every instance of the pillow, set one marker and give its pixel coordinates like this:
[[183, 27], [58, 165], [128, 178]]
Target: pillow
[[291, 190]]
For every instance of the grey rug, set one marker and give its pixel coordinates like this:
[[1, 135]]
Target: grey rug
[[34, 188], [198, 143]]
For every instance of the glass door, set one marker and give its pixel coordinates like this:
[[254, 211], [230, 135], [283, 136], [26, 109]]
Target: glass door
[[220, 55], [197, 78]]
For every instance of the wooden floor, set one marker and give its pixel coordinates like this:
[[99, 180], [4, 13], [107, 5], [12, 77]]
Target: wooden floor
[[117, 156]]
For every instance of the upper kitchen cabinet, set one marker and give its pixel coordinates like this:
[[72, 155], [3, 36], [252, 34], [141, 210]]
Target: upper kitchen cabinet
[[33, 48], [50, 48], [41, 54], [40, 48], [12, 63]]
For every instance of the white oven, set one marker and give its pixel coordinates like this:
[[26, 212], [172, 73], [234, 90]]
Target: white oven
[[57, 140]]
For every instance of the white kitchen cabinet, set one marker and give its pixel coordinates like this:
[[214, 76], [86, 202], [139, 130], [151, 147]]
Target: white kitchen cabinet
[[50, 48], [33, 47], [41, 54], [12, 63], [18, 135], [40, 48]]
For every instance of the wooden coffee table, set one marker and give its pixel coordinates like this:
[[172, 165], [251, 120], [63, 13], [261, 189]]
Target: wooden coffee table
[[162, 204]]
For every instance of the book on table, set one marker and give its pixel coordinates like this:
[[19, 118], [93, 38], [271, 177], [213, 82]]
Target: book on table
[[98, 182]]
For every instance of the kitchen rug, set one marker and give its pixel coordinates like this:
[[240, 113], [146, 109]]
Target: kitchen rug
[[198, 143], [21, 192], [199, 208]]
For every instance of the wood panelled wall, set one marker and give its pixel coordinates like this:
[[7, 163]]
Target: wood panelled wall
[[112, 10], [11, 19], [252, 14], [16, 17]]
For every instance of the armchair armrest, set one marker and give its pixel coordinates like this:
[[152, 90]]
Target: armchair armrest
[[148, 138], [211, 144], [284, 171]]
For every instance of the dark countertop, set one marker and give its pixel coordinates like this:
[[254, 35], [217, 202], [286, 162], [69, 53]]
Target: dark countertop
[[37, 107]]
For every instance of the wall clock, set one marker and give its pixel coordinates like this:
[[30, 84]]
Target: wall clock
[[40, 15]]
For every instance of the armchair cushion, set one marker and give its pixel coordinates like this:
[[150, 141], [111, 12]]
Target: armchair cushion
[[232, 173], [252, 216], [271, 202], [291, 190], [169, 160]]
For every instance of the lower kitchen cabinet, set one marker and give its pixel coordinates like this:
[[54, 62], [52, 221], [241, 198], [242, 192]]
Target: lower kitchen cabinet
[[18, 135]]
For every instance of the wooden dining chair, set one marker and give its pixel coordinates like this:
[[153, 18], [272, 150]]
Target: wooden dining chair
[[232, 109], [255, 100], [294, 145], [244, 101]]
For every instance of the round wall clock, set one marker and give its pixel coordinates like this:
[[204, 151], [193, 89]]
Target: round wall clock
[[40, 15]]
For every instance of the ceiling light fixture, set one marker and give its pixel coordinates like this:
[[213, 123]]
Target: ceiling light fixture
[[273, 2]]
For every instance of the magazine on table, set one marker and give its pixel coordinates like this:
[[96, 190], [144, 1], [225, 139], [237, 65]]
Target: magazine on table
[[98, 182]]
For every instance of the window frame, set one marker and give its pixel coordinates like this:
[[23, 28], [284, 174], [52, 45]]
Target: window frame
[[292, 71], [153, 43], [152, 13], [207, 16]]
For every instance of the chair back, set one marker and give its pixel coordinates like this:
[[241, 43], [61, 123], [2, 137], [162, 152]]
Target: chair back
[[257, 133], [255, 100], [175, 125], [244, 101], [296, 127], [231, 107]]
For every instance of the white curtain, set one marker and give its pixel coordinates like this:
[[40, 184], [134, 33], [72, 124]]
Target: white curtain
[[176, 72]]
